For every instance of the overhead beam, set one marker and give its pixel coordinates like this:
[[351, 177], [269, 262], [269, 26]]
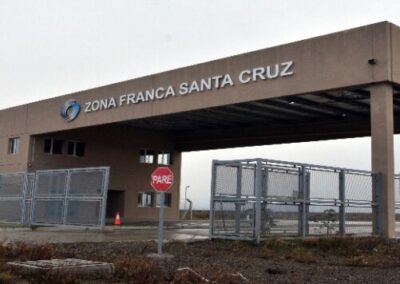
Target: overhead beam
[[346, 100], [333, 109], [266, 135]]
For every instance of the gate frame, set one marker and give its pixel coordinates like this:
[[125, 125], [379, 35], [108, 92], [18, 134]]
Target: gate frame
[[102, 198], [303, 201]]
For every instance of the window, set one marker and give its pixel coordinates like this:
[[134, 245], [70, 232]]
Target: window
[[76, 149], [146, 156], [53, 146], [145, 199], [164, 158], [13, 145], [167, 199]]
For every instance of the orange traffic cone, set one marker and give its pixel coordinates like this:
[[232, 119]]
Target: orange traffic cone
[[117, 220]]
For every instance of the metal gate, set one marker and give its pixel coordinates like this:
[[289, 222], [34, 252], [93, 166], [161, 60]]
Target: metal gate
[[13, 187], [55, 197], [253, 199]]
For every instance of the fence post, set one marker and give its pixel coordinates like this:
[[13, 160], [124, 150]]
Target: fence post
[[302, 207], [342, 197], [66, 195], [212, 208], [24, 198], [376, 207], [307, 202], [258, 184], [264, 209], [238, 195], [105, 183]]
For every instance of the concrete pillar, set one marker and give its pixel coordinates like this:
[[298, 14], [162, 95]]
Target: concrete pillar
[[383, 153]]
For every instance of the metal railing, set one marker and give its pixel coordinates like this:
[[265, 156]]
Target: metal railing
[[254, 199]]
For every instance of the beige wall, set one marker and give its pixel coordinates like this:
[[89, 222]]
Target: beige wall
[[13, 124], [118, 147]]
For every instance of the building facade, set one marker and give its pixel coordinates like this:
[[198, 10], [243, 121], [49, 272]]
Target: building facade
[[334, 86]]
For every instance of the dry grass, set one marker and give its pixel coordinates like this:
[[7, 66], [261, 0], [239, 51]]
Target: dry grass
[[139, 269], [134, 267], [302, 255]]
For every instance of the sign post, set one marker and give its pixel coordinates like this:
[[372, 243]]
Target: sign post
[[162, 180], [161, 224]]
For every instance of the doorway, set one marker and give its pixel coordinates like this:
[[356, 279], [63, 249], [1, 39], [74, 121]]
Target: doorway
[[115, 203]]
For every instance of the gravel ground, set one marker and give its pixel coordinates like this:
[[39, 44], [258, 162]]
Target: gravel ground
[[277, 261]]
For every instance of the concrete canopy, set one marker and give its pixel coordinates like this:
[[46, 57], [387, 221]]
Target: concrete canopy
[[310, 117]]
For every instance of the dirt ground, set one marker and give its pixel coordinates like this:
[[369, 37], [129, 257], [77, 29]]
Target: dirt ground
[[324, 260]]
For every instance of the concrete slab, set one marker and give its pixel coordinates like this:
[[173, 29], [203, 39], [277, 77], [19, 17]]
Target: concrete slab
[[79, 267], [164, 256]]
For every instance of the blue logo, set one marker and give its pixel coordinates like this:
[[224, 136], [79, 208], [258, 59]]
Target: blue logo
[[70, 110]]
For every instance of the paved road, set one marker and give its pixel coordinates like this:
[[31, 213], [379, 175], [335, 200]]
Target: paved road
[[70, 235]]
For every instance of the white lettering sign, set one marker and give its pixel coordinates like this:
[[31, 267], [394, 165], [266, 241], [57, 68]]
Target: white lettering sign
[[267, 72]]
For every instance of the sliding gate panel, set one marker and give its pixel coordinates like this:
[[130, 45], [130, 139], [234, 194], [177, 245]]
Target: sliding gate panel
[[70, 197], [257, 198], [12, 189]]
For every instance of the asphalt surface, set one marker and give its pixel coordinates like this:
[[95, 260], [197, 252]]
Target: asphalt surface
[[185, 232]]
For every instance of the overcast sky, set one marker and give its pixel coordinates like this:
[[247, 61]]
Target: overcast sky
[[50, 48]]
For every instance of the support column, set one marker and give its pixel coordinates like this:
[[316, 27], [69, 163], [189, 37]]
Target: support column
[[383, 154]]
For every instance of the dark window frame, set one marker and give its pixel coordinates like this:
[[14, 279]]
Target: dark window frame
[[77, 151], [162, 155], [51, 149], [142, 199], [13, 145], [147, 156], [167, 199]]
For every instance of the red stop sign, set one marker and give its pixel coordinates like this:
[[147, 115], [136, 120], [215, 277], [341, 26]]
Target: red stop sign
[[162, 179]]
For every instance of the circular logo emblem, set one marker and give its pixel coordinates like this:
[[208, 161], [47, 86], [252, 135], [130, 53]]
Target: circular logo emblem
[[70, 110]]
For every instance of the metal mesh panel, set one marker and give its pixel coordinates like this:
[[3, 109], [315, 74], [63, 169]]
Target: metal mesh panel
[[82, 212], [71, 197], [323, 220], [86, 183], [12, 185], [49, 211], [30, 185], [10, 211], [282, 183], [280, 219], [248, 179], [397, 201], [27, 212], [227, 219], [51, 183], [226, 180], [358, 187], [44, 194], [359, 220], [324, 184], [292, 199]]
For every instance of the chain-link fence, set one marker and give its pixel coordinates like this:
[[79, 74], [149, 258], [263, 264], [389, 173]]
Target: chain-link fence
[[55, 197], [253, 199]]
